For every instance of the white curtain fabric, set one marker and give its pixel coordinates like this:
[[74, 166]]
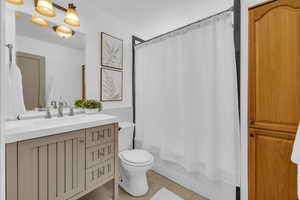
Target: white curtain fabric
[[187, 102]]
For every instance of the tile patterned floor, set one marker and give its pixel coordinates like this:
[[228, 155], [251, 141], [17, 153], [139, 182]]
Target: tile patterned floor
[[156, 182]]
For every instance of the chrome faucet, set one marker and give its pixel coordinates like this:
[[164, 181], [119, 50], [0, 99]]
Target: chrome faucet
[[54, 104], [71, 113], [60, 111]]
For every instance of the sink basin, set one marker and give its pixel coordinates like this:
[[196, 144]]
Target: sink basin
[[58, 120], [17, 124]]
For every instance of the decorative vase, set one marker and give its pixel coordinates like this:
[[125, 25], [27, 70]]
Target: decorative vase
[[91, 110]]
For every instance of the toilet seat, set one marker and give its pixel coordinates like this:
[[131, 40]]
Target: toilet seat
[[137, 157]]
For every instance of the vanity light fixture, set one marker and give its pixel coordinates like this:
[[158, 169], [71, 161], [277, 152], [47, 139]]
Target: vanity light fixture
[[63, 31], [15, 2], [72, 16], [39, 21], [45, 8]]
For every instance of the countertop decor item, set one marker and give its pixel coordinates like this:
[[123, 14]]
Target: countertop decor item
[[111, 51], [79, 103], [111, 85], [90, 106]]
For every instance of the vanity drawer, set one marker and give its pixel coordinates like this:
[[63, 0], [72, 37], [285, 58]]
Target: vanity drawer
[[97, 174], [96, 154], [99, 135]]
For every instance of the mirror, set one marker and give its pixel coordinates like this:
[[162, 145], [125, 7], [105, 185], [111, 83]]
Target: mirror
[[52, 67]]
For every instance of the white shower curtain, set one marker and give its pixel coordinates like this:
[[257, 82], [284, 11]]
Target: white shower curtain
[[187, 102]]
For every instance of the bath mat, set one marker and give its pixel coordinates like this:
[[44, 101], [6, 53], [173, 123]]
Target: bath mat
[[164, 194]]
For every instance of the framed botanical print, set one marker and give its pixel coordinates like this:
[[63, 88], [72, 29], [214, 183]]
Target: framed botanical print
[[111, 51], [111, 85]]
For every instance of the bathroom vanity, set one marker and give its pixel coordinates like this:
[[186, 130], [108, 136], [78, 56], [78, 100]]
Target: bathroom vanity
[[61, 159]]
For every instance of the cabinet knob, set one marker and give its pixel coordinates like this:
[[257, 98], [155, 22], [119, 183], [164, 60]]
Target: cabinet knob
[[252, 122], [252, 135]]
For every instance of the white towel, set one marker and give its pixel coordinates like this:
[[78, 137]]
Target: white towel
[[296, 157], [14, 90]]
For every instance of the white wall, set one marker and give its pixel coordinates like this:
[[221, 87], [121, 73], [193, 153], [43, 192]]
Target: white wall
[[10, 27], [63, 67], [93, 51], [244, 100], [3, 70]]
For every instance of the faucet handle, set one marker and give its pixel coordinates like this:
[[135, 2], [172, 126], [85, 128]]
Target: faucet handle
[[48, 113], [71, 113], [54, 104], [66, 105]]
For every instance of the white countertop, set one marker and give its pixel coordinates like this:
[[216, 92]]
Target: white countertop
[[34, 128]]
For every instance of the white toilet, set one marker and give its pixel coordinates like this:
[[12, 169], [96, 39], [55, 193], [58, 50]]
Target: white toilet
[[133, 163]]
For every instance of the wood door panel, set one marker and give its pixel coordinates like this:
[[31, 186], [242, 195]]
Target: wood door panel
[[274, 65], [55, 170], [272, 175], [32, 68]]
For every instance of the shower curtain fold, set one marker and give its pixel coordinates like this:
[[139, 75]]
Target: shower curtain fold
[[187, 102]]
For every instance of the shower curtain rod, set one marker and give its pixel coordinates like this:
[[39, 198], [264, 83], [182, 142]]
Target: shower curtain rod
[[231, 9]]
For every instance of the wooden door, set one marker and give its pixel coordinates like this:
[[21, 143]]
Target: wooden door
[[274, 66], [272, 175], [52, 168], [33, 79]]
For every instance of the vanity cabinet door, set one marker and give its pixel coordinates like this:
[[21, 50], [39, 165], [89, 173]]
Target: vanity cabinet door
[[52, 168]]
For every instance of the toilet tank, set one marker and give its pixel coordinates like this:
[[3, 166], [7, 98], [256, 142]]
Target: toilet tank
[[126, 135]]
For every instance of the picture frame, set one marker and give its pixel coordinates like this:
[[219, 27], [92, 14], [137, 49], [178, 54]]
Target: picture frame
[[111, 87], [111, 51]]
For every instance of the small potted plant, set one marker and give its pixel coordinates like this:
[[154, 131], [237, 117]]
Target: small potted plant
[[91, 106], [79, 103]]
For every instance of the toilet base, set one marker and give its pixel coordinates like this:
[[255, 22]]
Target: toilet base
[[136, 185]]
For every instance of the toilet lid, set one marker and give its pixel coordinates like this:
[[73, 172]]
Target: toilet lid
[[136, 156]]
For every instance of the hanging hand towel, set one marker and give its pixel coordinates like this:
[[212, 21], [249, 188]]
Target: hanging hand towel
[[15, 98], [296, 157]]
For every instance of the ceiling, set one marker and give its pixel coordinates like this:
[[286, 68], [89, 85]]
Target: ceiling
[[141, 12], [150, 17]]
